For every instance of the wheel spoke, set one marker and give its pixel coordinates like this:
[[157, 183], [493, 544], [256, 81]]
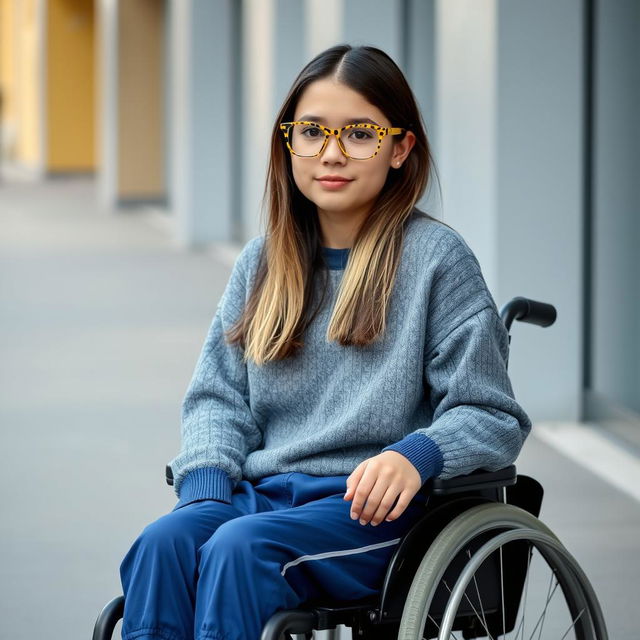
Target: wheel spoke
[[479, 598], [526, 591], [544, 612], [522, 606], [474, 609], [573, 624], [437, 625], [546, 605], [518, 629]]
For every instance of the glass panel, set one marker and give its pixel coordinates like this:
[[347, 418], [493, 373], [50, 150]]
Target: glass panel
[[616, 211]]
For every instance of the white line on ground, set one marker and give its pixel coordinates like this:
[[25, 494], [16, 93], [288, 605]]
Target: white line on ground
[[597, 453]]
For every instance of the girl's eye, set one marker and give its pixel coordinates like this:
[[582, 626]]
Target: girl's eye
[[312, 132], [361, 135]]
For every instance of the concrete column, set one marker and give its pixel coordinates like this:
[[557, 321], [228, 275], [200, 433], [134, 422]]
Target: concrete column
[[419, 65], [279, 37], [324, 25], [258, 112], [376, 22], [204, 128], [466, 105], [540, 128], [290, 50], [509, 130]]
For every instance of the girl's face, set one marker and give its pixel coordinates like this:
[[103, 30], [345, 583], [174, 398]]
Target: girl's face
[[330, 103]]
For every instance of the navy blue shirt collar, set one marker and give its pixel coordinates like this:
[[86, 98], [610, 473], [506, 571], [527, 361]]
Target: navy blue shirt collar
[[336, 258]]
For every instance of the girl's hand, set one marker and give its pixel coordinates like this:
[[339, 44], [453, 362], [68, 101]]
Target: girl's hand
[[378, 481]]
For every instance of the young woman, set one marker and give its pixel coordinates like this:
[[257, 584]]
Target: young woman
[[355, 353]]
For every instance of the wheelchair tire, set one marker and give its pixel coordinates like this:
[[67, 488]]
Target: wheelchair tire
[[488, 528]]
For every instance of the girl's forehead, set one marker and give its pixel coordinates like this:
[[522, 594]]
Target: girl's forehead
[[331, 102]]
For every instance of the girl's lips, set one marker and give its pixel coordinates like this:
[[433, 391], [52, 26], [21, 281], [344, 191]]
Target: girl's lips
[[333, 183]]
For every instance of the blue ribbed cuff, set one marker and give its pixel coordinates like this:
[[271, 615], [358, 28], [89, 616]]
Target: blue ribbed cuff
[[422, 452], [205, 483]]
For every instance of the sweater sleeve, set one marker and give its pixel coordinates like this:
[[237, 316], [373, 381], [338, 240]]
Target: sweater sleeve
[[218, 427], [477, 423]]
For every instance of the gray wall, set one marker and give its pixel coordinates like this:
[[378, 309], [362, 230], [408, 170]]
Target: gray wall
[[539, 122], [501, 86], [616, 198]]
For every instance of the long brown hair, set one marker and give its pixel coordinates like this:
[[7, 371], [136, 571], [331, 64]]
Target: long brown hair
[[279, 307]]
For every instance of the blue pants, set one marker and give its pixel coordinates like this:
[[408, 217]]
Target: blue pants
[[210, 570]]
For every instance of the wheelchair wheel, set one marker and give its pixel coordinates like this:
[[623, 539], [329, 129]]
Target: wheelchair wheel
[[481, 574]]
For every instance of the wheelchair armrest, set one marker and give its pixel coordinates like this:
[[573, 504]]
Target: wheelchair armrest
[[478, 479]]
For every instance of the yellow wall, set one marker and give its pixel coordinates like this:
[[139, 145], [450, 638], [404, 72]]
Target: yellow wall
[[141, 99], [28, 84], [7, 72], [70, 103], [48, 73]]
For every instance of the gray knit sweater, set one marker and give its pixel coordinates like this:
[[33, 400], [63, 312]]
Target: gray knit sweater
[[435, 388]]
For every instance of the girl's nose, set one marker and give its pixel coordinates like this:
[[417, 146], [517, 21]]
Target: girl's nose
[[332, 151]]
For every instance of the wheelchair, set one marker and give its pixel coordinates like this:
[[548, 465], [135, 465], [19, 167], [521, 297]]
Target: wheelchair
[[466, 566]]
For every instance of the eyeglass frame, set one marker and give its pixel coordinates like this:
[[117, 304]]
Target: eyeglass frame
[[382, 133]]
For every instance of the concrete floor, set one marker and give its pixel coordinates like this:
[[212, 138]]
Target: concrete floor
[[102, 319]]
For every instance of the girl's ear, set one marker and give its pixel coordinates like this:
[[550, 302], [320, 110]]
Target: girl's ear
[[401, 149]]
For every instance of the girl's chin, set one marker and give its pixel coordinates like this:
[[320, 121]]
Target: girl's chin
[[334, 207], [332, 201]]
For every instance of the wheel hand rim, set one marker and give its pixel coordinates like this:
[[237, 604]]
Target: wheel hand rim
[[480, 556]]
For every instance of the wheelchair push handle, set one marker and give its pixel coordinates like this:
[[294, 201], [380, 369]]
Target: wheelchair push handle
[[528, 310]]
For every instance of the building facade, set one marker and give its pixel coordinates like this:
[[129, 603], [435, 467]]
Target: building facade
[[530, 107]]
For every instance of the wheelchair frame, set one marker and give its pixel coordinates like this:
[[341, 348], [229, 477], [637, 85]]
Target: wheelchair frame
[[475, 512]]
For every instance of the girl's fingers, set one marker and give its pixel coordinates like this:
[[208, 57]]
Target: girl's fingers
[[403, 502], [361, 495], [374, 499], [385, 504], [354, 479]]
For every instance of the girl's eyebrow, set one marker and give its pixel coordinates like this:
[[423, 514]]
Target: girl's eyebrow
[[321, 120]]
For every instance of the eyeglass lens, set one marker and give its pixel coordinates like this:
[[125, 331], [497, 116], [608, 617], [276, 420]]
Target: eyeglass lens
[[360, 142]]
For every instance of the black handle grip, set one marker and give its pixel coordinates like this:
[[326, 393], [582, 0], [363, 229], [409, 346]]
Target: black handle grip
[[541, 313], [527, 310]]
